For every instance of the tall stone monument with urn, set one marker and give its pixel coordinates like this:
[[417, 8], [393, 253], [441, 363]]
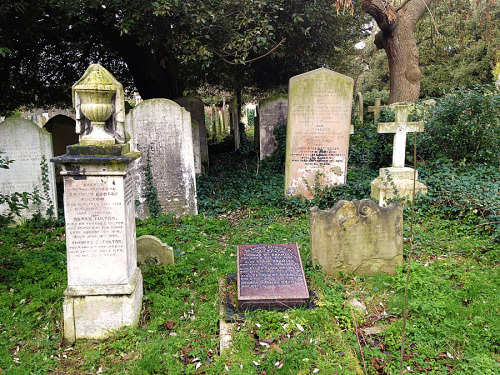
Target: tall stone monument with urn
[[104, 283]]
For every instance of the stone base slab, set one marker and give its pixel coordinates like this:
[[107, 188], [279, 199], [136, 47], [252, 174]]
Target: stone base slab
[[95, 316], [395, 182]]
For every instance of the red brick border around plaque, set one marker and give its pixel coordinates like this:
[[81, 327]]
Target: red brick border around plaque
[[270, 276]]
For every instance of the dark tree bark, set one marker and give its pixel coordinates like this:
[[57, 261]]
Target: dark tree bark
[[154, 77], [396, 37]]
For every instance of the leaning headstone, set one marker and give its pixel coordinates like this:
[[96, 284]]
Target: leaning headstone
[[270, 276], [63, 133], [272, 113], [150, 250], [317, 142], [104, 290], [397, 181], [162, 129], [27, 144], [357, 237], [197, 110]]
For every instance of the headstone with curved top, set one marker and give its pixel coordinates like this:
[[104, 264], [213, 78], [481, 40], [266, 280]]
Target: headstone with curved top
[[357, 237]]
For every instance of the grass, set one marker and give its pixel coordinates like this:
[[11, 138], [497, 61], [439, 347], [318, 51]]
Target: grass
[[453, 325]]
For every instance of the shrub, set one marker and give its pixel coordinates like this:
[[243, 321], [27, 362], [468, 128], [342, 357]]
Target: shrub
[[464, 125]]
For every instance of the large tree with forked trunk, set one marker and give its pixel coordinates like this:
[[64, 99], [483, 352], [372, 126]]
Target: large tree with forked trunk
[[397, 20]]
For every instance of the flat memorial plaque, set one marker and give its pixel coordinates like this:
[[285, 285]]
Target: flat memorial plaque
[[270, 276]]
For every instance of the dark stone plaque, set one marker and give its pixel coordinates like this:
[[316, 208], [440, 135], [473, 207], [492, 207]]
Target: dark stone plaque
[[270, 276]]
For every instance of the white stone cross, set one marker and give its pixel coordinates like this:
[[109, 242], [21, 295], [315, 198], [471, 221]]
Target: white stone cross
[[400, 128]]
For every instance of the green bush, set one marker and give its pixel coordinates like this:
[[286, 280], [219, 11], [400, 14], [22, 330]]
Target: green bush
[[464, 125]]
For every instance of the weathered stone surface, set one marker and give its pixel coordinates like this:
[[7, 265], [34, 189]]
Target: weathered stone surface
[[197, 110], [96, 316], [357, 237], [272, 113], [26, 143], [270, 276], [99, 104], [63, 133], [397, 181], [150, 249], [104, 283], [163, 129], [100, 225], [319, 116]]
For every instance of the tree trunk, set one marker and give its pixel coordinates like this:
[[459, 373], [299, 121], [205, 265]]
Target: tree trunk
[[153, 77], [396, 38]]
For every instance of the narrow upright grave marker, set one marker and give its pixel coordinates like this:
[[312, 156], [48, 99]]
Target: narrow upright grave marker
[[196, 108], [357, 237], [359, 106], [375, 109], [272, 113], [163, 129], [270, 276], [397, 181], [317, 142], [27, 144]]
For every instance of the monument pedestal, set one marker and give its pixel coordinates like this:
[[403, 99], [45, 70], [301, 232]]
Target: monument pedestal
[[395, 182], [104, 283]]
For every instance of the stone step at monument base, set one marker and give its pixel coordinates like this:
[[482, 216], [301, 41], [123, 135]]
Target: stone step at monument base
[[93, 312], [396, 182]]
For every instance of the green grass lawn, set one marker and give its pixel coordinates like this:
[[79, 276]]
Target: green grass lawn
[[453, 319]]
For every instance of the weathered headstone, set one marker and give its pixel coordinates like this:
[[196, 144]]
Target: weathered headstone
[[150, 250], [317, 142], [397, 181], [63, 133], [272, 113], [27, 144], [104, 290], [197, 110], [162, 129], [235, 122], [270, 276], [376, 108], [359, 106], [357, 237]]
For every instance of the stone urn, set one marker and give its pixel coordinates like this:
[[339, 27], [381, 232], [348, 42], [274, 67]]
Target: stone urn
[[96, 94]]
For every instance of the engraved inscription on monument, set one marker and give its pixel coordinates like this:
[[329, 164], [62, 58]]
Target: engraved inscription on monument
[[270, 276], [95, 218]]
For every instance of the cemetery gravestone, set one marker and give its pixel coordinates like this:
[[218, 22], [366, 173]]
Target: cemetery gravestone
[[104, 290], [162, 129], [359, 106], [272, 113], [397, 181], [197, 110], [150, 250], [270, 276], [27, 144], [375, 109], [63, 133], [357, 237], [317, 143]]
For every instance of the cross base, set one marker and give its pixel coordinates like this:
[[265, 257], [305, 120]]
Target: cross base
[[395, 182]]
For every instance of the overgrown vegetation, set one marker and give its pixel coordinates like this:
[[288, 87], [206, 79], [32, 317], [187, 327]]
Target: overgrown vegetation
[[453, 322]]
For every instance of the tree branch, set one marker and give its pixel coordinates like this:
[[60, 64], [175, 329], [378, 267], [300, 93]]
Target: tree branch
[[383, 13], [256, 58]]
